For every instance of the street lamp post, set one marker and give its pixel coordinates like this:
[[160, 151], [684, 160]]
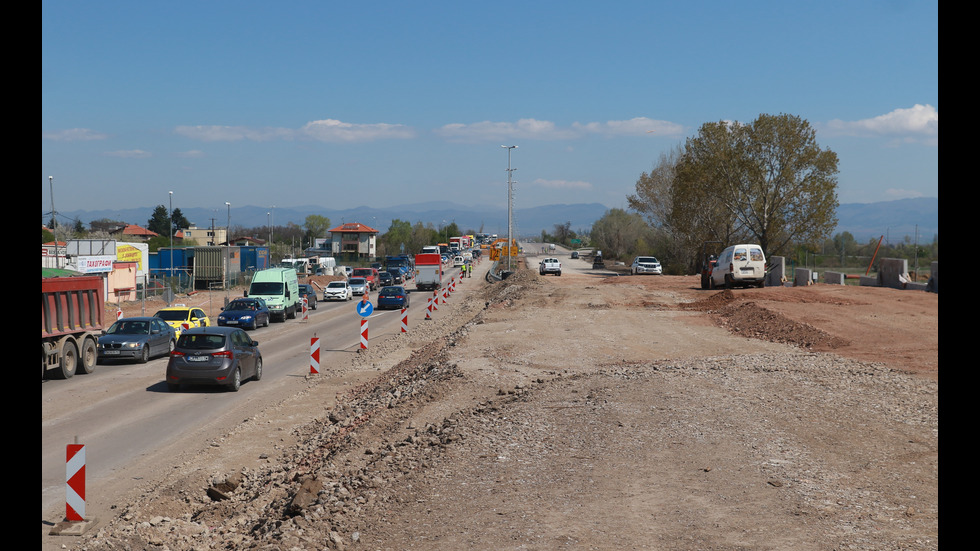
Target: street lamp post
[[171, 234], [54, 221], [228, 251], [510, 187]]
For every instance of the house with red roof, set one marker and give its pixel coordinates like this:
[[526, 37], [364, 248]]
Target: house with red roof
[[353, 239]]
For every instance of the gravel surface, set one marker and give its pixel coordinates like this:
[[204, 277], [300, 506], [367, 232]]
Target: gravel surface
[[588, 412]]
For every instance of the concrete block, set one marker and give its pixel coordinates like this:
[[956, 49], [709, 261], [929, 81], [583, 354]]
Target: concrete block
[[893, 272], [834, 278], [869, 281], [776, 271], [802, 276]]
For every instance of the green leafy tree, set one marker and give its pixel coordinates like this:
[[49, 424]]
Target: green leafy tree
[[621, 234], [316, 227], [159, 221], [767, 181]]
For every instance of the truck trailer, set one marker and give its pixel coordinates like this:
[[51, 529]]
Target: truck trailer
[[428, 271], [72, 317]]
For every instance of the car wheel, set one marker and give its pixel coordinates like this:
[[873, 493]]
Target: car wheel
[[144, 354], [236, 380], [258, 369]]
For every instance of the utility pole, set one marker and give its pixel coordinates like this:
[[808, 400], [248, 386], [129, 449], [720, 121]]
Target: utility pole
[[510, 187]]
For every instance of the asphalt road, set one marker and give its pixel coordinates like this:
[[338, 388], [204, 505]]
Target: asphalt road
[[124, 414]]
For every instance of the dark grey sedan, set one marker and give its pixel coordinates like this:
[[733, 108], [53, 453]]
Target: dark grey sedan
[[136, 339], [222, 356]]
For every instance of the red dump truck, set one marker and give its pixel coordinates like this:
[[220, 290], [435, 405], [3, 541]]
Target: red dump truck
[[72, 318]]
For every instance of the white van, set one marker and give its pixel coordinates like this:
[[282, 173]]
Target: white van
[[743, 265]]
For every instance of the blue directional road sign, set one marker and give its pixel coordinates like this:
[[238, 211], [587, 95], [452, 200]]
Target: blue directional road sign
[[364, 308]]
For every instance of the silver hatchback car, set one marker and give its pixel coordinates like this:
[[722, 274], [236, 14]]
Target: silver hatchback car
[[358, 285], [214, 356]]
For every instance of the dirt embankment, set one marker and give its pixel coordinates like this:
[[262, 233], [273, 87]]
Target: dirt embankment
[[586, 412]]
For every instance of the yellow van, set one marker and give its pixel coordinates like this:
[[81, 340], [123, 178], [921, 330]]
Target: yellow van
[[741, 265]]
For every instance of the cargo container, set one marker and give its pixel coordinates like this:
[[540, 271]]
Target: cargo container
[[72, 316], [211, 270]]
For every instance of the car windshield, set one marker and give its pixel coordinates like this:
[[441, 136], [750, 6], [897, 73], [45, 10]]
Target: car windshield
[[201, 342], [241, 305], [391, 291], [357, 281], [336, 285], [172, 315], [647, 259], [129, 328], [265, 288]]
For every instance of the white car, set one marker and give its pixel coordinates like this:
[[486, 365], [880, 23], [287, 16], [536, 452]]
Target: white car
[[646, 265], [338, 290], [458, 261]]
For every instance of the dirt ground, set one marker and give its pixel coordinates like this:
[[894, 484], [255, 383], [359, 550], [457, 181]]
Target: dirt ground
[[590, 412]]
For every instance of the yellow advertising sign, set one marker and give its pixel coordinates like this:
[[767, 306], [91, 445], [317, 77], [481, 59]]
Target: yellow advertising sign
[[128, 253]]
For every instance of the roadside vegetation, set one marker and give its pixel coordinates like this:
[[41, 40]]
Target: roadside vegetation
[[765, 182]]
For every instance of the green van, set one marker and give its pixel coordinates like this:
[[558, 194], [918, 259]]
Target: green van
[[279, 288]]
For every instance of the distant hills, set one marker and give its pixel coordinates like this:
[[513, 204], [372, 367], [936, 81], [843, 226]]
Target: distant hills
[[893, 219]]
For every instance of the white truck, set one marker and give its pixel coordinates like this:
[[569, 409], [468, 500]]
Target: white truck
[[550, 266], [428, 275]]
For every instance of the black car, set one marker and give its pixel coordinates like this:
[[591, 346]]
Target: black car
[[385, 278], [222, 356], [309, 292]]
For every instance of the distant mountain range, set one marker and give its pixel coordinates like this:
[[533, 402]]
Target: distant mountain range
[[893, 219]]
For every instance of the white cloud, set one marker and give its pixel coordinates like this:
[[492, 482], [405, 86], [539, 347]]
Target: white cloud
[[327, 130], [533, 129], [562, 184], [894, 194], [192, 154], [527, 129], [216, 133], [637, 126], [129, 154], [73, 135], [918, 123], [330, 130]]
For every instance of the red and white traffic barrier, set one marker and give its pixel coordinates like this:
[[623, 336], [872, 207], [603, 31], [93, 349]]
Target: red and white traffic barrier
[[404, 321], [428, 309], [119, 313], [306, 309], [314, 356], [364, 333], [75, 478], [435, 299]]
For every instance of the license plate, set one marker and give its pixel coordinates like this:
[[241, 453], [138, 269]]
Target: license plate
[[110, 352], [231, 322], [198, 358]]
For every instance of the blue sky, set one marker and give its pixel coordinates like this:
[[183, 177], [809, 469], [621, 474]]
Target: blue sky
[[343, 104]]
